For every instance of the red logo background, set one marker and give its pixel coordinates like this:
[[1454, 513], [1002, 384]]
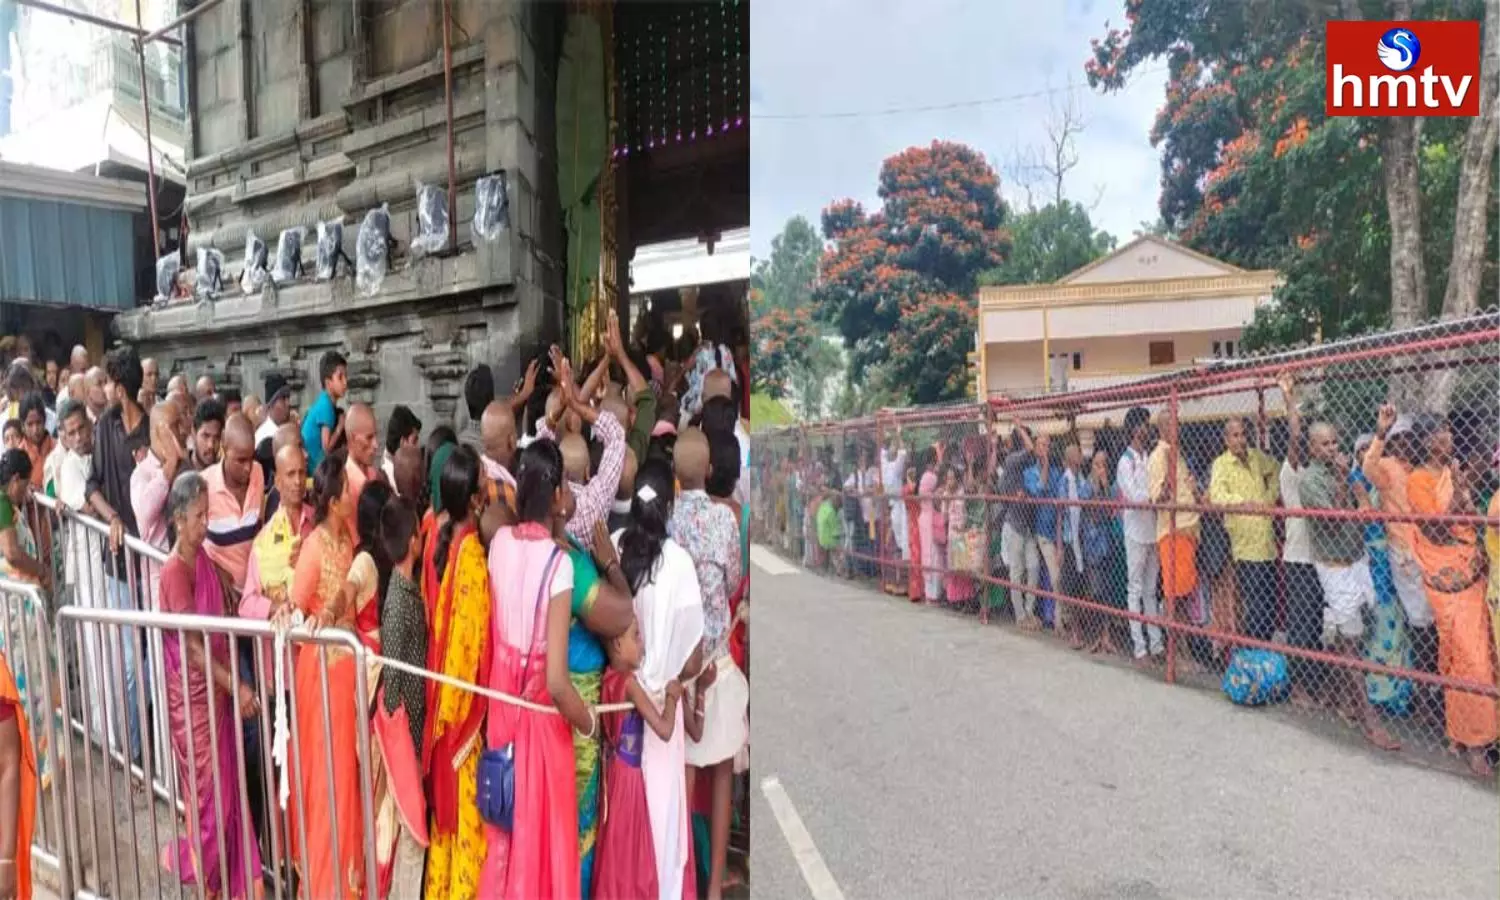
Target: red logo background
[[1449, 48]]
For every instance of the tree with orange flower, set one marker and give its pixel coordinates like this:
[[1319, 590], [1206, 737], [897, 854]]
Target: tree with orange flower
[[898, 284]]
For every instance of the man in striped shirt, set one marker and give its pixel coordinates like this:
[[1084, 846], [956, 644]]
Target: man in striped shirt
[[235, 499]]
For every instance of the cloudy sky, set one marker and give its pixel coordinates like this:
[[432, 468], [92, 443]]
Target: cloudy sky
[[812, 58]]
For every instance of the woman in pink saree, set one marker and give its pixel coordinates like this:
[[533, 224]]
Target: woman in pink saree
[[927, 524], [219, 851]]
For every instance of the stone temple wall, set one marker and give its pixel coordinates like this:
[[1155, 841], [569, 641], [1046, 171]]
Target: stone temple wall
[[345, 113]]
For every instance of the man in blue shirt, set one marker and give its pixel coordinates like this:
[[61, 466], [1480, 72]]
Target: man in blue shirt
[[321, 426], [1044, 480]]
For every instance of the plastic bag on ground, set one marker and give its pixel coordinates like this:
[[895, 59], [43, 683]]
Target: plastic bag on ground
[[372, 250], [491, 206], [253, 278], [432, 220], [289, 255]]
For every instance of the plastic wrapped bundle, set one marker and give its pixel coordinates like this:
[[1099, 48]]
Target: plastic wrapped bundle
[[432, 220], [491, 206], [330, 249], [167, 268], [372, 248], [254, 276], [210, 279], [289, 255]]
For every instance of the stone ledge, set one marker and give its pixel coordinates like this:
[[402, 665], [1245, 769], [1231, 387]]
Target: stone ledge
[[427, 279], [462, 56], [322, 128]]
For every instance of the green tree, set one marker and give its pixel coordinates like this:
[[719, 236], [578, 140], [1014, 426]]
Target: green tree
[[785, 280], [1048, 243], [1371, 220], [939, 226]]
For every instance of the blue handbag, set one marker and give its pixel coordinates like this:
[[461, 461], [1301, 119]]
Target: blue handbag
[[495, 794]]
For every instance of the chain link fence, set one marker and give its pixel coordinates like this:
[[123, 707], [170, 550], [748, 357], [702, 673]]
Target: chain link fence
[[1318, 527]]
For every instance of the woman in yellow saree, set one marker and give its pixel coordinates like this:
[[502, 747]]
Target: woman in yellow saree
[[332, 820], [455, 580]]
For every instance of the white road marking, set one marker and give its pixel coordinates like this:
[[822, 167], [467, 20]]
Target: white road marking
[[762, 558], [814, 871]]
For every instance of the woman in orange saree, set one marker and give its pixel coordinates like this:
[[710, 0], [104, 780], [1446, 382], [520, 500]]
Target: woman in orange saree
[[332, 819], [17, 811], [455, 582], [1453, 573]]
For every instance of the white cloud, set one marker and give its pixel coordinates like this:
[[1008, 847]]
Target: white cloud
[[853, 55]]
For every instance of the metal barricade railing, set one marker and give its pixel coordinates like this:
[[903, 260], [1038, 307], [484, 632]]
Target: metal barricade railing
[[25, 638], [1247, 595], [265, 830]]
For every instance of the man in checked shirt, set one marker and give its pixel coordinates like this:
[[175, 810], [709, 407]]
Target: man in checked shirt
[[595, 497]]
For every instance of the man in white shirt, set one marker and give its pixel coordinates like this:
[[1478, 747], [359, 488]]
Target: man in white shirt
[[892, 476], [83, 548], [1142, 564], [1304, 592]]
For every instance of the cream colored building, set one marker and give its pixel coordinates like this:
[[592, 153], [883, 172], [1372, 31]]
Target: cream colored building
[[1149, 308]]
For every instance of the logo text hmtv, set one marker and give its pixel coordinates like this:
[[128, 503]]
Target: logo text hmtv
[[1402, 69]]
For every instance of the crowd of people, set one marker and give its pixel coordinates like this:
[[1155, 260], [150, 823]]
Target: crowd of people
[[581, 543], [1195, 528]]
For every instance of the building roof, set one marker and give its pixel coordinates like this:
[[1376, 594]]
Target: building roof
[[1143, 240], [40, 183]]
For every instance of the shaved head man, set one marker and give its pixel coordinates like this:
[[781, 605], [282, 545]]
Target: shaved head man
[[78, 391], [235, 500], [239, 453], [359, 431], [497, 429], [204, 388], [150, 376], [177, 384], [359, 434], [288, 435], [690, 459], [575, 454], [411, 477], [717, 383], [78, 362]]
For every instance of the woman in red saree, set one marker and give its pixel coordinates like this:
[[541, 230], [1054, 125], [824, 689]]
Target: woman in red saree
[[214, 852], [538, 859], [913, 535], [332, 819]]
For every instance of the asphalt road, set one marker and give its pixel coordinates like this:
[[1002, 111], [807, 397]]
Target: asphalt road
[[929, 757]]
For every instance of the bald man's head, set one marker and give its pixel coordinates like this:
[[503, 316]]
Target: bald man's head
[[205, 387], [690, 459], [166, 439], [627, 476], [615, 405], [717, 384], [497, 428], [238, 443], [79, 360], [291, 477], [359, 429], [288, 435], [177, 384], [575, 454], [411, 476]]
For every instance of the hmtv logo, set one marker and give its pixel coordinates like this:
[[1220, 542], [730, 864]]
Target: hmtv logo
[[1402, 68]]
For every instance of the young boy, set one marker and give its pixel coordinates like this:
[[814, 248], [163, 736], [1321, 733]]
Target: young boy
[[322, 427], [11, 434]]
